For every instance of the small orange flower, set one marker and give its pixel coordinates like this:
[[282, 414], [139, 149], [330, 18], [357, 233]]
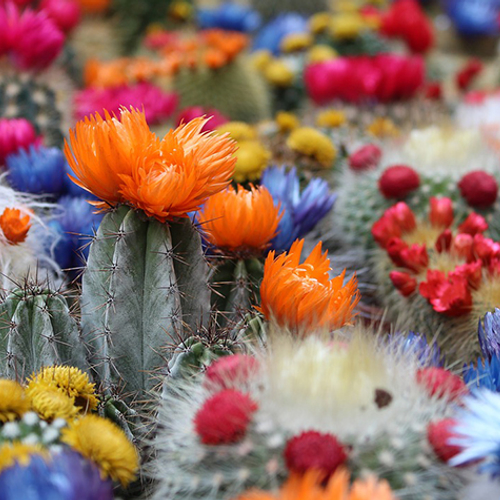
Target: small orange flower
[[309, 487], [15, 225], [122, 161], [302, 297], [241, 222]]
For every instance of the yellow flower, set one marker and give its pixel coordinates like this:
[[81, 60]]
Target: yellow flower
[[286, 121], [279, 74], [382, 127], [319, 22], [295, 42], [105, 444], [261, 59], [331, 118], [19, 453], [239, 131], [346, 26], [320, 53], [50, 403], [252, 159], [180, 10], [13, 401], [313, 143], [71, 381]]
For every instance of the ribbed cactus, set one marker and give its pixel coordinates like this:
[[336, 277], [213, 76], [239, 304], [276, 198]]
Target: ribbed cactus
[[26, 98], [236, 90], [37, 329], [143, 289]]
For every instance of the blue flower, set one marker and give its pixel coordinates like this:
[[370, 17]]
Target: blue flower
[[66, 476], [478, 430], [474, 17], [486, 375], [416, 344], [75, 227], [489, 335], [38, 170], [270, 36], [230, 16], [302, 211]]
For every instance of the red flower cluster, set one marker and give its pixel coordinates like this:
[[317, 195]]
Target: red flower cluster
[[448, 292], [314, 450], [32, 38], [384, 78], [405, 19], [224, 418]]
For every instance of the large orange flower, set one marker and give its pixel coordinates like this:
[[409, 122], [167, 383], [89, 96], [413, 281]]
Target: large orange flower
[[102, 149], [122, 161], [189, 167], [241, 221], [309, 487], [302, 297]]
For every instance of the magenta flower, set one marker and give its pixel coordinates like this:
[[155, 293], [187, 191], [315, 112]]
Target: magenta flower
[[217, 118], [15, 133], [65, 13]]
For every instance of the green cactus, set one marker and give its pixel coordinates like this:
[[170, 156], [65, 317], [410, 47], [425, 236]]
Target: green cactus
[[27, 98], [37, 329], [136, 289], [236, 90], [269, 9]]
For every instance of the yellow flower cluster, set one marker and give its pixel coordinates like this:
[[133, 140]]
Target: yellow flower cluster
[[310, 142]]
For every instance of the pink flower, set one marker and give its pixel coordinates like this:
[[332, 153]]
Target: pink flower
[[65, 13], [439, 435], [441, 383], [441, 213], [385, 78], [217, 118], [37, 41], [158, 105], [231, 371], [365, 158], [15, 134], [465, 76]]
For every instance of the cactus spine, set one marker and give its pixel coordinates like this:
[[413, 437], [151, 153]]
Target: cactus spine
[[37, 330], [132, 299]]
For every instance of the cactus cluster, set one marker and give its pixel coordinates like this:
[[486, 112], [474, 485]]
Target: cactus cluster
[[24, 97], [268, 10]]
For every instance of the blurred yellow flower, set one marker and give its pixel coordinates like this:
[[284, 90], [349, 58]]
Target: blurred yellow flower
[[252, 159], [13, 401], [382, 127], [296, 42], [286, 121], [279, 74], [346, 26], [239, 131], [313, 143], [320, 53], [261, 59], [319, 22], [331, 118], [12, 453]]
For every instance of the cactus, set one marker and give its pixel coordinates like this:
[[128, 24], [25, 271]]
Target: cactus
[[268, 9], [37, 329], [236, 90], [138, 285], [27, 98]]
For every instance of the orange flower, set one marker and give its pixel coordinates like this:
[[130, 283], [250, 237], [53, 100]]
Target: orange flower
[[309, 487], [15, 226], [94, 6], [242, 221], [122, 161], [302, 296], [104, 149], [189, 167]]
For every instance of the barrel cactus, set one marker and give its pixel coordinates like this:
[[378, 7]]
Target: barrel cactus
[[37, 329]]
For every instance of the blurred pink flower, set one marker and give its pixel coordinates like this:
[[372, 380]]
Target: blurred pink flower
[[158, 105], [217, 118], [65, 13], [16, 133]]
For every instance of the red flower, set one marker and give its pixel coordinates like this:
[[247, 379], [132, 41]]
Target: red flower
[[398, 181], [450, 296], [472, 272], [441, 213], [443, 242], [465, 76], [224, 417], [439, 434], [474, 224], [314, 450], [434, 91], [441, 383], [485, 248], [229, 371], [479, 189], [365, 157], [414, 258], [394, 248], [462, 246], [395, 221], [404, 283]]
